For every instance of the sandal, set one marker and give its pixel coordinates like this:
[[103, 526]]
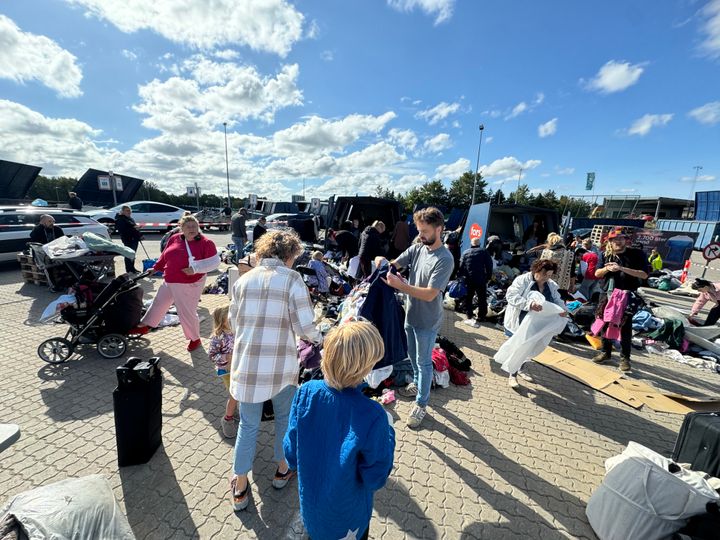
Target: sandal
[[240, 500], [280, 480]]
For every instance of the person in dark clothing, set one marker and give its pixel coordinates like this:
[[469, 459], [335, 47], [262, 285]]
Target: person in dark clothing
[[370, 247], [259, 229], [74, 201], [129, 234], [400, 239], [355, 228], [239, 231], [625, 269], [226, 210], [347, 241], [476, 267], [45, 231], [452, 242]]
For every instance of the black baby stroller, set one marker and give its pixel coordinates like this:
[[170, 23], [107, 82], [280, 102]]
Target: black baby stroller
[[103, 316]]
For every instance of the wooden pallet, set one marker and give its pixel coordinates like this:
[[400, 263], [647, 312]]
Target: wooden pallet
[[24, 258]]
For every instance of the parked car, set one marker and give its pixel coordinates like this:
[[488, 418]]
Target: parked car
[[17, 222], [148, 214]]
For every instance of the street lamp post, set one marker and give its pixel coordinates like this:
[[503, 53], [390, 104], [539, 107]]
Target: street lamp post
[[517, 193], [112, 185], [477, 165], [697, 168], [227, 166]]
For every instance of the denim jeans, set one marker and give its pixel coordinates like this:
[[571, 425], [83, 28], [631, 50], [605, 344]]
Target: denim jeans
[[239, 245], [250, 414], [420, 346]]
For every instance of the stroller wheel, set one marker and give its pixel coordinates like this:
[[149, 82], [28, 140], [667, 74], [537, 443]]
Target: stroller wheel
[[55, 350], [112, 346]]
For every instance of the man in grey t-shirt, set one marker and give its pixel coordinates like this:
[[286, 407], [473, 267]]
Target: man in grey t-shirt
[[430, 264]]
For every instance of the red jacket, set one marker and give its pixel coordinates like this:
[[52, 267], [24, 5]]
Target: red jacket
[[175, 258], [592, 261]]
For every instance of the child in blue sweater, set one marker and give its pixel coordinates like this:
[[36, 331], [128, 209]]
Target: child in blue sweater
[[340, 442]]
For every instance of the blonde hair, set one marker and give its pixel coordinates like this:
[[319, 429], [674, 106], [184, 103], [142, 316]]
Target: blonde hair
[[349, 354], [185, 219], [587, 243], [553, 238], [221, 321], [283, 244], [317, 255]]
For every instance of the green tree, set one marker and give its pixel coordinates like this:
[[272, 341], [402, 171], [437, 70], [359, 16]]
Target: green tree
[[433, 193], [460, 192], [521, 195], [546, 200], [54, 189], [497, 197]]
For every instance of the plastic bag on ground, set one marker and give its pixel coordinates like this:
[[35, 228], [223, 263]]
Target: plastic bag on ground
[[72, 508]]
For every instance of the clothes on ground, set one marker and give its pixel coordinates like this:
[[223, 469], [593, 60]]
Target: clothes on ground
[[533, 334], [427, 269], [564, 259], [518, 301], [98, 243], [44, 235], [309, 354], [705, 297], [321, 281], [180, 254], [66, 247], [643, 321], [270, 307], [54, 307], [220, 352], [656, 262], [352, 436], [671, 332]]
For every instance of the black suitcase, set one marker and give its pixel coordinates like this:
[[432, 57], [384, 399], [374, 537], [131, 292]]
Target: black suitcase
[[698, 443], [137, 405]]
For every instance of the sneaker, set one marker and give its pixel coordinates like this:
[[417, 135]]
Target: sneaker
[[416, 417], [471, 322], [240, 500], [513, 382], [624, 363], [411, 390], [194, 344], [601, 357], [229, 428], [525, 376], [281, 480]]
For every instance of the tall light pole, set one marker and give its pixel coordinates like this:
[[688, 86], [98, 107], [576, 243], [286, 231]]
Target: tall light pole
[[477, 165], [697, 168], [227, 167], [517, 193]]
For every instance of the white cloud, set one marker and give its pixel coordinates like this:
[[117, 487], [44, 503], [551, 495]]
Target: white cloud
[[453, 170], [327, 56], [438, 143], [643, 125], [61, 146], [263, 25], [508, 166], [548, 128], [225, 54], [711, 29], [130, 55], [439, 112], [539, 98], [700, 178], [627, 190], [615, 76], [707, 114], [566, 171], [27, 57], [517, 110], [492, 113], [217, 92], [403, 138], [442, 10], [488, 140]]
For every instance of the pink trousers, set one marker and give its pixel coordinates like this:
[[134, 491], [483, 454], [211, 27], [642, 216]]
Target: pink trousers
[[186, 297]]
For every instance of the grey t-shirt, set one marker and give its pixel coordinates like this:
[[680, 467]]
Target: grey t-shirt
[[427, 269]]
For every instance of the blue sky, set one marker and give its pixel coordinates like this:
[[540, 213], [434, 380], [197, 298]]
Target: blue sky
[[354, 94]]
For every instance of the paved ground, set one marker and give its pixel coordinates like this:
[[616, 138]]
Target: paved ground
[[488, 463]]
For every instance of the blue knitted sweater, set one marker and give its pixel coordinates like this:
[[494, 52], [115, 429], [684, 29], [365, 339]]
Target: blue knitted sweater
[[342, 446]]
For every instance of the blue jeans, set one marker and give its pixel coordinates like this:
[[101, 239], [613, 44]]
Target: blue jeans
[[420, 347], [250, 414], [239, 245]]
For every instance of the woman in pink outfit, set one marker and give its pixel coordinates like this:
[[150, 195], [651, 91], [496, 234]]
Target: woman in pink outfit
[[185, 261]]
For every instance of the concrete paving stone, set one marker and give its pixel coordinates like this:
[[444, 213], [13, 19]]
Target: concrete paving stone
[[488, 463]]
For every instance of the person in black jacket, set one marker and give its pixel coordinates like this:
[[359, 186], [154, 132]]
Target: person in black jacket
[[370, 247], [259, 229], [46, 231], [74, 201], [129, 234], [476, 267], [346, 241]]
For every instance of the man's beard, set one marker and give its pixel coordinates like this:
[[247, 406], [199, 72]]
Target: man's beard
[[429, 241]]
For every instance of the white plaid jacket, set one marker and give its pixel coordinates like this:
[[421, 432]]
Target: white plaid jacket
[[270, 308]]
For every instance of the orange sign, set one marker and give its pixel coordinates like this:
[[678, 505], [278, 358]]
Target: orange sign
[[475, 231]]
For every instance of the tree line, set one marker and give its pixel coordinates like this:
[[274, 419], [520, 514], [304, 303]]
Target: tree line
[[434, 192]]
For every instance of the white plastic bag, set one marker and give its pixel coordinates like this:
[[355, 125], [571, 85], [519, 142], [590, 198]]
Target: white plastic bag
[[533, 335], [66, 247], [441, 378], [72, 508], [641, 498]]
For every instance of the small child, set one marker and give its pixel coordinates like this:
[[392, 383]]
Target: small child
[[222, 341], [321, 282], [333, 419]]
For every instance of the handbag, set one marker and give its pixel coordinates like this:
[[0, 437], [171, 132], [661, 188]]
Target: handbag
[[457, 289]]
